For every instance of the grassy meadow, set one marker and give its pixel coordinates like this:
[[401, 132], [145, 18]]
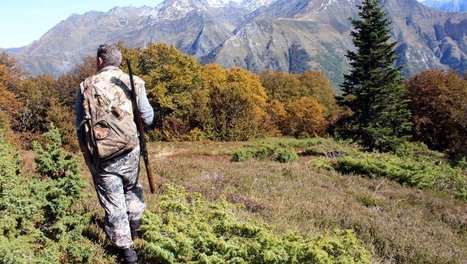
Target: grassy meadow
[[397, 223]]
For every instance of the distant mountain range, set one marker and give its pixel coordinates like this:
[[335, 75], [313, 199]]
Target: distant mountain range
[[13, 50], [447, 5], [286, 35]]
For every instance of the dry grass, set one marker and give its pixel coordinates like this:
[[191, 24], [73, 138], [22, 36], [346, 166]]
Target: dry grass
[[398, 224], [27, 165]]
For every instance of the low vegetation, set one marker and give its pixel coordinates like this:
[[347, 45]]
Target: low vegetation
[[267, 151], [42, 218], [412, 164], [422, 174], [395, 222], [188, 229], [260, 211]]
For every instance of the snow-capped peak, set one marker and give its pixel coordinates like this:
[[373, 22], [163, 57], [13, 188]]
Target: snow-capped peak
[[222, 3], [170, 8], [248, 4], [254, 4]]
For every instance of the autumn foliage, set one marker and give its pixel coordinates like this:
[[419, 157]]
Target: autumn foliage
[[306, 115], [190, 99], [438, 101], [300, 104], [196, 102], [236, 103], [9, 103]]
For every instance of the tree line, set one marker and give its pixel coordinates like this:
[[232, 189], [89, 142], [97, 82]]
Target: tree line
[[208, 102]]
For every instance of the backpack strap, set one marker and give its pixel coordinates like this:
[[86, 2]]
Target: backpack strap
[[87, 92]]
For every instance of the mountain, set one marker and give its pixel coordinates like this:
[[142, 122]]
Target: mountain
[[427, 38], [12, 50], [447, 5], [286, 35], [194, 26]]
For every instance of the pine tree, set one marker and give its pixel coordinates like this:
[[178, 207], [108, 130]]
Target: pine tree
[[374, 88]]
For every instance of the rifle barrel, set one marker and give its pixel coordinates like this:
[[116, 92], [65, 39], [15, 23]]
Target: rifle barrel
[[139, 125]]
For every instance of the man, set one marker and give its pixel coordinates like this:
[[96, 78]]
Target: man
[[115, 178]]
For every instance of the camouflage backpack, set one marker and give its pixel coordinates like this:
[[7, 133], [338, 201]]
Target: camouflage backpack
[[108, 114]]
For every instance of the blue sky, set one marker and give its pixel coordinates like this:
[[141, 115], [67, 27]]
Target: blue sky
[[23, 21]]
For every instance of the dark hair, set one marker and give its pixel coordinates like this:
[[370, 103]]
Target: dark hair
[[110, 54]]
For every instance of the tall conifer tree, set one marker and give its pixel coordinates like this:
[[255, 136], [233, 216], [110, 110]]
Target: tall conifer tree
[[374, 88]]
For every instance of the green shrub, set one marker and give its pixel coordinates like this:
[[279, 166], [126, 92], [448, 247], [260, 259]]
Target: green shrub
[[280, 149], [285, 155], [152, 135], [420, 172], [188, 229], [196, 134], [366, 200], [17, 208], [242, 155], [303, 135], [9, 162], [322, 163], [461, 163], [419, 151], [42, 218], [267, 151]]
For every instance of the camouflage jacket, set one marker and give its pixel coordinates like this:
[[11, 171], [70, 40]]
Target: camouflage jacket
[[112, 75]]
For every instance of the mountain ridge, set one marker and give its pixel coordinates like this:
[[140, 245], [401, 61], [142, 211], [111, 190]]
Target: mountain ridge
[[273, 36]]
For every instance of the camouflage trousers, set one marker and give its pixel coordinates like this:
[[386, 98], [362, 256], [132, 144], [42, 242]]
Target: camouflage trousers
[[120, 194]]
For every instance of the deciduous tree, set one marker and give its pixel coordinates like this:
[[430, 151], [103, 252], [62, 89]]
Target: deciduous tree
[[281, 86], [306, 115], [438, 102], [237, 103]]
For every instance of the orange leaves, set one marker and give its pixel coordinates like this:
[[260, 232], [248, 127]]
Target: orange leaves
[[300, 103], [8, 101], [306, 115], [281, 86]]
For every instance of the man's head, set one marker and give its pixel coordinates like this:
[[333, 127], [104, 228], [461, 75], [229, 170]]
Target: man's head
[[108, 55]]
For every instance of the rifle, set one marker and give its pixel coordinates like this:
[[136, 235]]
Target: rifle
[[139, 125]]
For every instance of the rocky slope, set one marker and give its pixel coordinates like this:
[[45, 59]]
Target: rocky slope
[[447, 5]]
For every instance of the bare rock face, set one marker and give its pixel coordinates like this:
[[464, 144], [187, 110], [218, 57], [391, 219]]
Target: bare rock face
[[447, 5]]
